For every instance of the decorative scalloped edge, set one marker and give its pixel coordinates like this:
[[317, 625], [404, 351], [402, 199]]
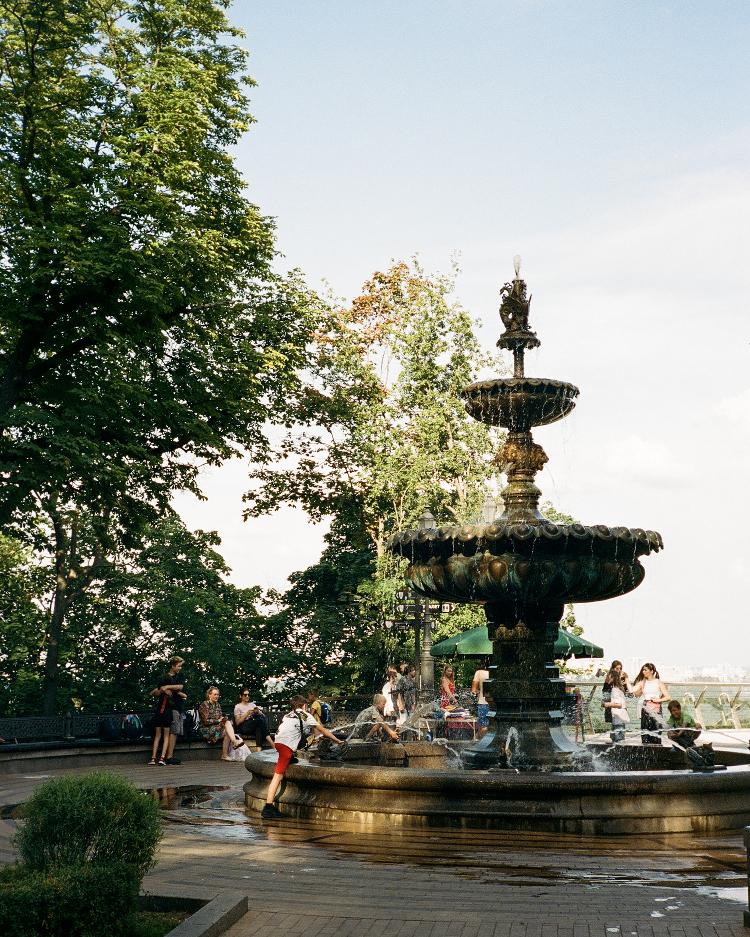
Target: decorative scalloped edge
[[493, 532], [497, 383]]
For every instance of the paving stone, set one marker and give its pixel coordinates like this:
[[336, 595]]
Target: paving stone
[[426, 883]]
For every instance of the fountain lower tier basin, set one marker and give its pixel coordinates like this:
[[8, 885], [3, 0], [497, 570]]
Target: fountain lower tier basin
[[526, 564], [595, 803]]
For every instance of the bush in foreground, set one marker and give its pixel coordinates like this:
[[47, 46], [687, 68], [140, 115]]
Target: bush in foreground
[[68, 901], [99, 818]]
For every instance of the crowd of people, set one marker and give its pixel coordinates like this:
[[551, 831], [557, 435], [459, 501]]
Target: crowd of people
[[383, 719], [386, 717], [651, 695]]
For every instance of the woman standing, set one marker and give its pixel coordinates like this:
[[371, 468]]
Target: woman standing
[[616, 705], [447, 688], [607, 689], [388, 689], [654, 692]]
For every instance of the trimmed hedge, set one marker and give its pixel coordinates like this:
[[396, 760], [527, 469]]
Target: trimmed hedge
[[99, 818], [85, 900]]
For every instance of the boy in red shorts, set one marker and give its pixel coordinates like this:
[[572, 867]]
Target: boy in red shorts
[[289, 734]]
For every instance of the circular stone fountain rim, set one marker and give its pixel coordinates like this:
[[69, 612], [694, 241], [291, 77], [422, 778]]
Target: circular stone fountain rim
[[682, 780]]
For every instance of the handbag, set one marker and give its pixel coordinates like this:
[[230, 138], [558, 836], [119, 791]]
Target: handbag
[[653, 707]]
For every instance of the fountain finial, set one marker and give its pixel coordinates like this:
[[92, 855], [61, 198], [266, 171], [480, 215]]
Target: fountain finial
[[514, 312]]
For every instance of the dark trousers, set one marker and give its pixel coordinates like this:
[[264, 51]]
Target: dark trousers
[[649, 723]]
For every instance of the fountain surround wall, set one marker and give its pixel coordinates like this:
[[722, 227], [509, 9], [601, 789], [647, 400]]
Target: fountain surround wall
[[523, 568]]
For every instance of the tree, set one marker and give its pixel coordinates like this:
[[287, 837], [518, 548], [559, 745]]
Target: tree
[[381, 434], [170, 595], [23, 585], [142, 332]]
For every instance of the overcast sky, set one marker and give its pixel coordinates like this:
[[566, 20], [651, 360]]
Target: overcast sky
[[609, 145]]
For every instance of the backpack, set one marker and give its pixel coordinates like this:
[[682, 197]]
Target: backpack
[[304, 732], [110, 729], [325, 713], [132, 727]]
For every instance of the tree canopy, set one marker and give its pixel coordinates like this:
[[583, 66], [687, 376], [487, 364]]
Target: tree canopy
[[381, 433], [142, 331]]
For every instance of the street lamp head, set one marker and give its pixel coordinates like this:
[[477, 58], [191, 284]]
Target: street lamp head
[[427, 521]]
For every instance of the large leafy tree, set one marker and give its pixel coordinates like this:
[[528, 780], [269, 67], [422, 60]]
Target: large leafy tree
[[169, 595], [382, 434], [142, 332]]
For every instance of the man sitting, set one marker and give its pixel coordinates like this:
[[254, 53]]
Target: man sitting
[[684, 726], [371, 724]]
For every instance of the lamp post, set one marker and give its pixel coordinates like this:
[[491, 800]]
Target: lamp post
[[427, 661]]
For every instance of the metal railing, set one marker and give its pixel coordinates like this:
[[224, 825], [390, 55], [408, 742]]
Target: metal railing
[[713, 705]]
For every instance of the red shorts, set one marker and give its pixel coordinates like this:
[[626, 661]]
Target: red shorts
[[285, 756]]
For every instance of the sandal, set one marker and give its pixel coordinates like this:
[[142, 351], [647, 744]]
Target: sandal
[[162, 762], [225, 758], [152, 762]]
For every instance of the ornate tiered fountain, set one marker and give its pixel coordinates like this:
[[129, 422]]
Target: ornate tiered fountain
[[522, 567], [525, 774]]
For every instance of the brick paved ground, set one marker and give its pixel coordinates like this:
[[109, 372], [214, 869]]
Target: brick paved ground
[[328, 880]]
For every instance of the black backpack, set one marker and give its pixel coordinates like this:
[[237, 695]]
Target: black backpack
[[325, 713], [110, 729], [132, 727]]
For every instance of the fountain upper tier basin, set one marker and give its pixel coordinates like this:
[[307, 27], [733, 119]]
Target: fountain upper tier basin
[[518, 403], [530, 564]]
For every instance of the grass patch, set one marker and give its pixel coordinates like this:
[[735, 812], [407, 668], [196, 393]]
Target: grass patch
[[157, 923]]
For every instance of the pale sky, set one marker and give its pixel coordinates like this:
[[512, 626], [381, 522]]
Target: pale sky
[[609, 145]]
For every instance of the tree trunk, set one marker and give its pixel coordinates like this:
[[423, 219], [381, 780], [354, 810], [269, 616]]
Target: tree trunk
[[52, 662]]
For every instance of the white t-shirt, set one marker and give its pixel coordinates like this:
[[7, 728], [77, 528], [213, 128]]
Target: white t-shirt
[[387, 691], [620, 715], [289, 732]]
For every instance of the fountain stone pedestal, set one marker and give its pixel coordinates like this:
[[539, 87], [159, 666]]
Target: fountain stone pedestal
[[526, 695]]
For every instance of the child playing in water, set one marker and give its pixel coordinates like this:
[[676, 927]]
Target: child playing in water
[[684, 725]]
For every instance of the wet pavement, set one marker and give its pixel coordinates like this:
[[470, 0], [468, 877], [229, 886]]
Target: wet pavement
[[322, 879]]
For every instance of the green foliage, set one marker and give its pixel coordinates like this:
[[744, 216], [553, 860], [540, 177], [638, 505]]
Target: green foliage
[[169, 596], [389, 431], [381, 433], [23, 585], [98, 818], [142, 332], [73, 901]]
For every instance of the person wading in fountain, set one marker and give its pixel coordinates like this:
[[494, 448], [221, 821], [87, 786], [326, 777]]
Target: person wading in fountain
[[654, 692], [483, 708], [293, 727]]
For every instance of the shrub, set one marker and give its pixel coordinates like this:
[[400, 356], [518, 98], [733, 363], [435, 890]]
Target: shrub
[[99, 818], [75, 901]]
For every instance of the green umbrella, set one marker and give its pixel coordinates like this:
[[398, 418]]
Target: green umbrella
[[476, 643]]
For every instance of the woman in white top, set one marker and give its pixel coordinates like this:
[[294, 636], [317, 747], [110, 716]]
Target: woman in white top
[[616, 704], [654, 692], [388, 688]]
